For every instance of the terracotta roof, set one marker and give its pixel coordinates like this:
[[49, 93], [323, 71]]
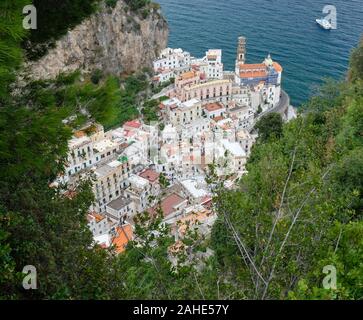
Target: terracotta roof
[[277, 67], [187, 75], [193, 219], [129, 133], [133, 124], [252, 66], [124, 235], [96, 216], [213, 107], [79, 134], [253, 74], [217, 119], [150, 175], [206, 199], [168, 204]]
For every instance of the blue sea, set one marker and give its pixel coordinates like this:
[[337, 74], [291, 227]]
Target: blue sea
[[284, 28]]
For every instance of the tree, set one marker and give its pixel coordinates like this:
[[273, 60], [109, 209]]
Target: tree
[[269, 126], [299, 207], [55, 18], [164, 183], [356, 63], [11, 34], [40, 225]]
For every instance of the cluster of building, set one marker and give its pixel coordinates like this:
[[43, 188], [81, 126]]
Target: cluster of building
[[207, 119], [251, 86]]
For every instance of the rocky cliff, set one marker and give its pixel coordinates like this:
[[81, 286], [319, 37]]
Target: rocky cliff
[[115, 40]]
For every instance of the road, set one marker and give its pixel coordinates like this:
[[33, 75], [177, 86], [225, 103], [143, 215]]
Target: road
[[281, 107]]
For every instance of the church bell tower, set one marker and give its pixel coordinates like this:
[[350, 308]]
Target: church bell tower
[[241, 51]]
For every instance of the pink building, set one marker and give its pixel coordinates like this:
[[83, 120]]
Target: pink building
[[211, 91]]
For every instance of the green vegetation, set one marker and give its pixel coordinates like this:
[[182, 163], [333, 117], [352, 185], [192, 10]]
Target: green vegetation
[[70, 96], [150, 111], [269, 126], [111, 3], [39, 225], [298, 210], [130, 98], [158, 88], [96, 76], [55, 18], [164, 183], [137, 4], [11, 34]]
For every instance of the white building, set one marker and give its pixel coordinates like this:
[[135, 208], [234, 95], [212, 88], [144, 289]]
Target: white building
[[214, 110], [243, 115], [185, 112], [246, 140], [140, 191], [110, 181], [87, 148], [121, 209], [236, 156], [98, 224], [196, 188], [172, 59], [211, 64]]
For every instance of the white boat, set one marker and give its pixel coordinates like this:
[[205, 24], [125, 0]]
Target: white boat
[[324, 24]]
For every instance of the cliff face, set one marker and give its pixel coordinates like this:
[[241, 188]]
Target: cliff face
[[112, 40]]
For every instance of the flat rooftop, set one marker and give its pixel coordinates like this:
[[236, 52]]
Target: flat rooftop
[[195, 188], [108, 168], [214, 106], [150, 175], [119, 203], [190, 103], [104, 145], [138, 181], [78, 142]]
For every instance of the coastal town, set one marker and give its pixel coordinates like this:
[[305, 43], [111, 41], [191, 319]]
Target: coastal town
[[208, 116]]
